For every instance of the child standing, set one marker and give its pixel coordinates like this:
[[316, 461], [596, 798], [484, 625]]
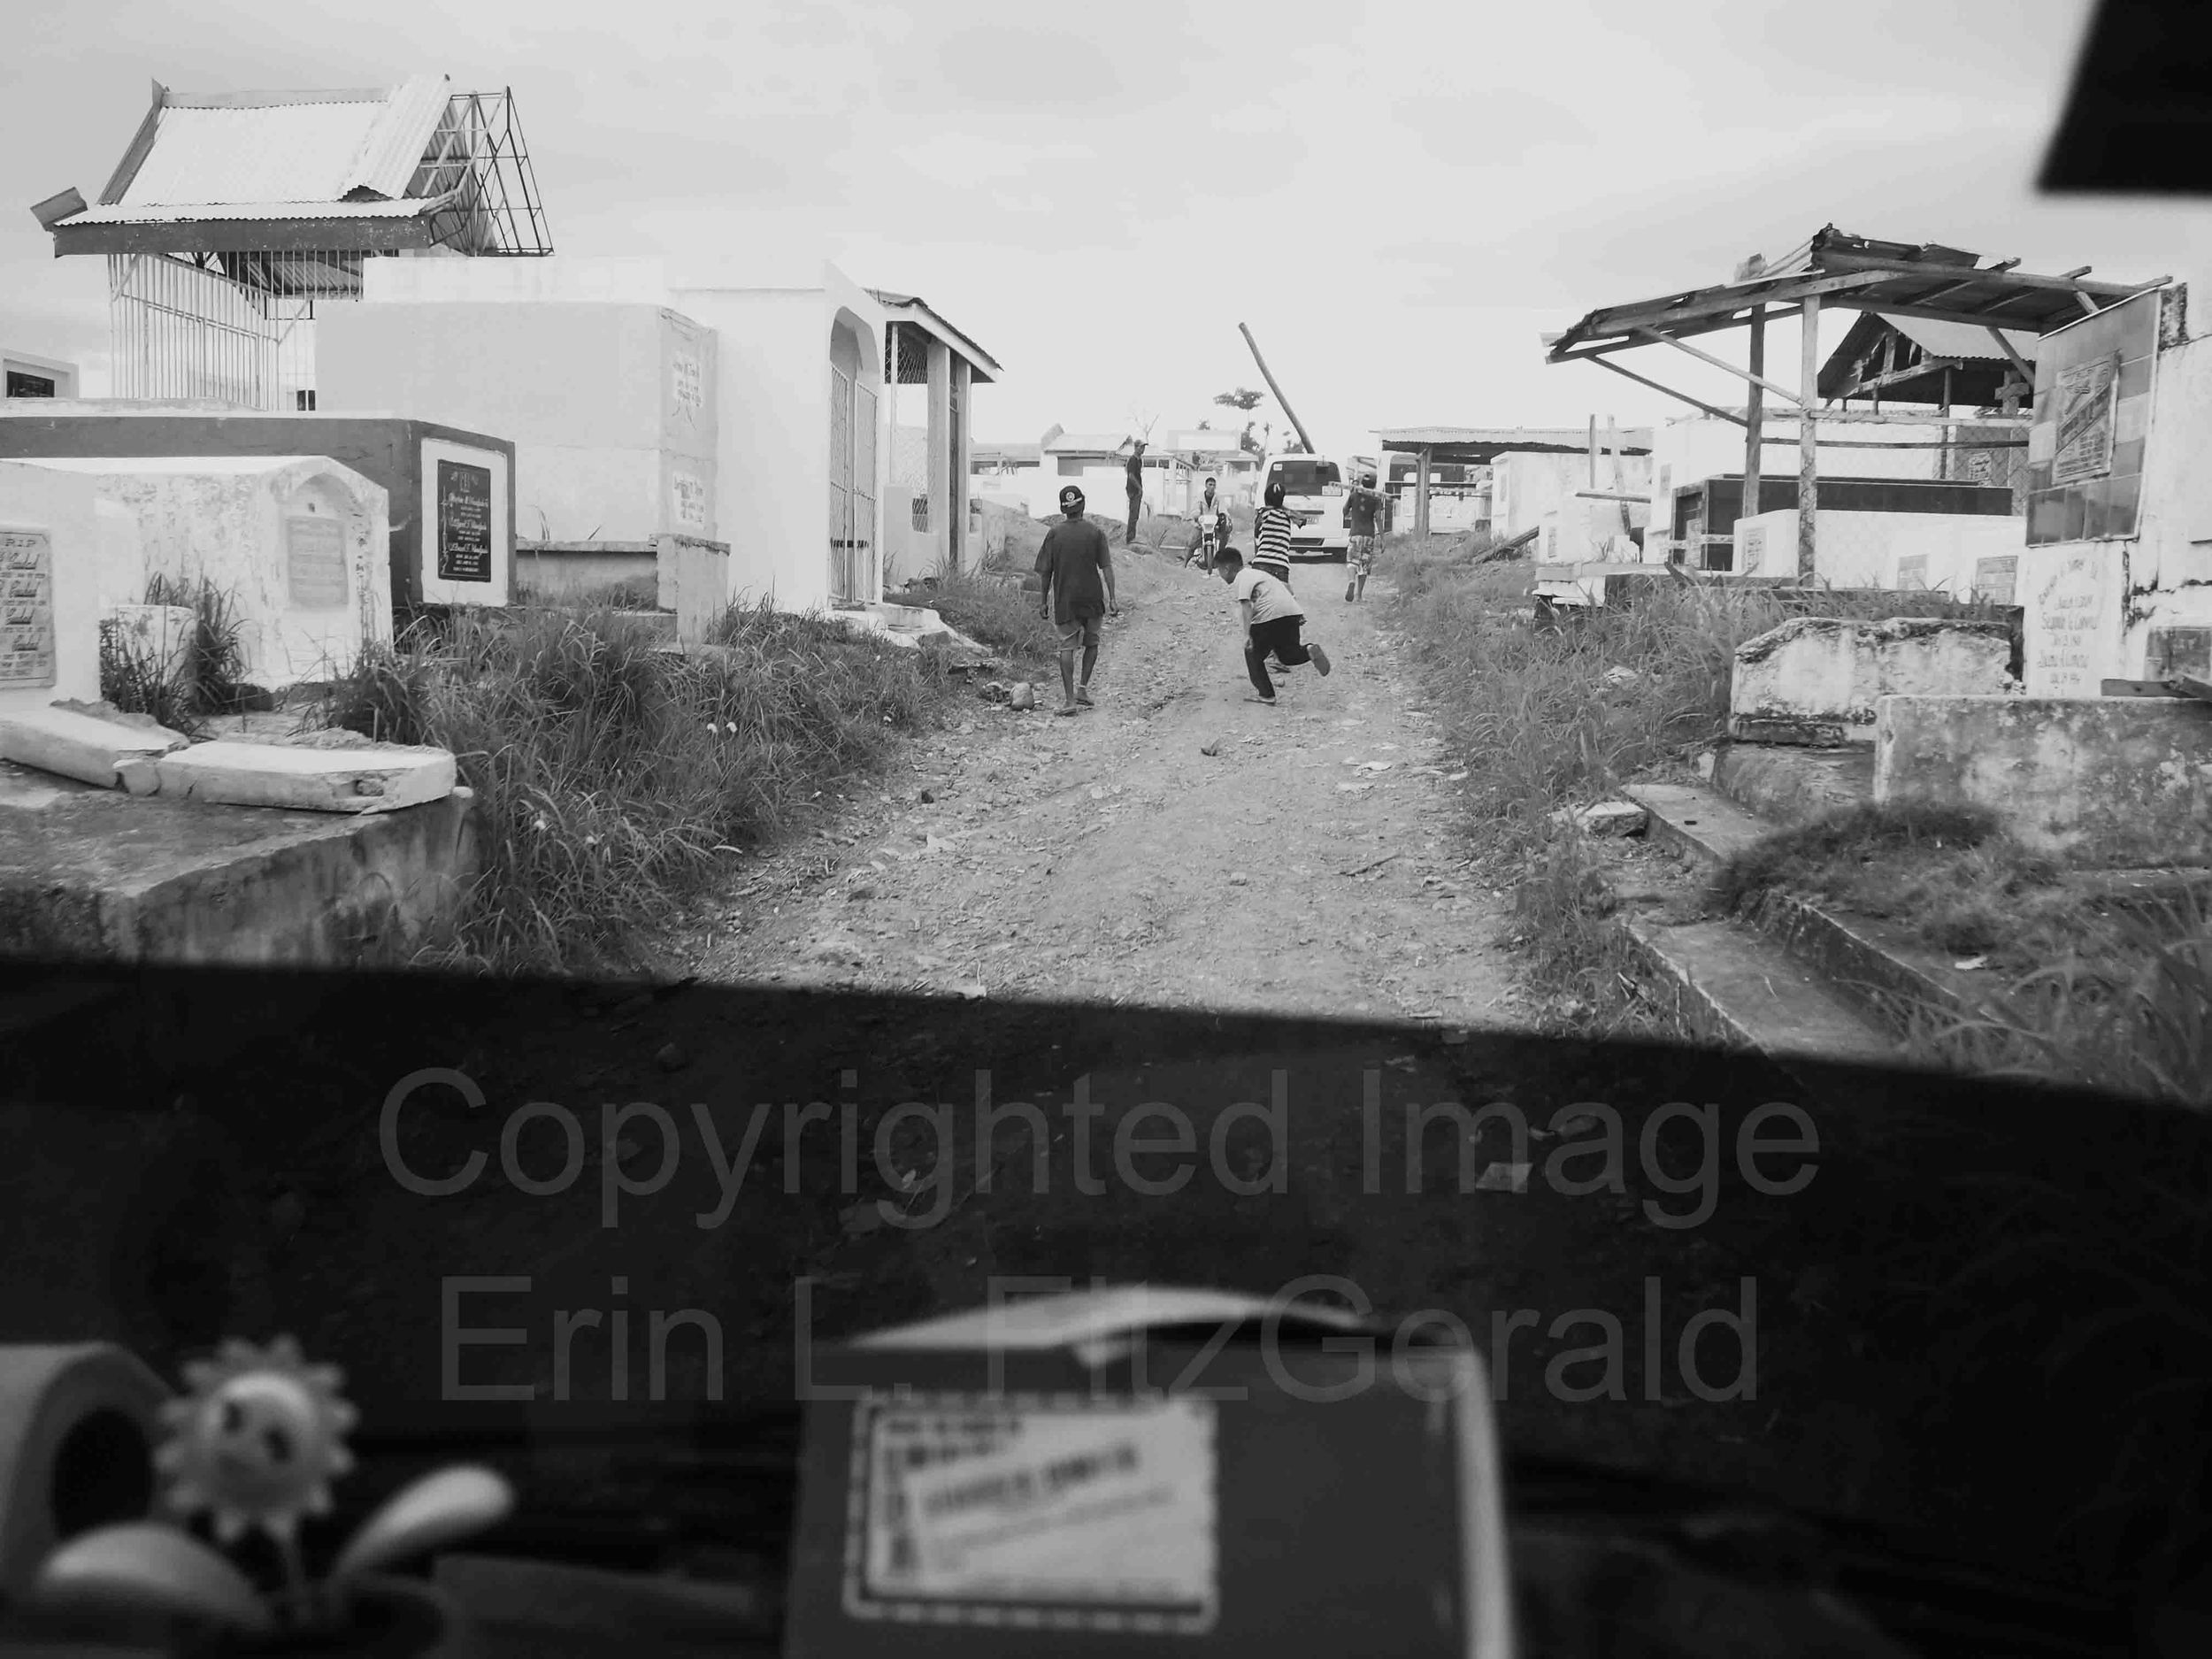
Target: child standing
[[1272, 620]]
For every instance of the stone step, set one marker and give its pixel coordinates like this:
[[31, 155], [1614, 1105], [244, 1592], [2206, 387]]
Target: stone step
[[1787, 784], [1735, 988], [1694, 820]]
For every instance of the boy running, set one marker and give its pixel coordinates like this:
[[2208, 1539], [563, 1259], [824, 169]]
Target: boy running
[[1077, 566], [1272, 619]]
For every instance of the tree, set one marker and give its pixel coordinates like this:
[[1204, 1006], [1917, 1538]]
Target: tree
[[1243, 399]]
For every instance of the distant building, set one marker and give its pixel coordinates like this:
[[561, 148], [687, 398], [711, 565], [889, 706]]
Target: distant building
[[38, 377]]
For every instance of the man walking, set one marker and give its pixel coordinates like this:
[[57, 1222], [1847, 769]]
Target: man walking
[[1272, 620], [1363, 518], [1077, 569], [1136, 491]]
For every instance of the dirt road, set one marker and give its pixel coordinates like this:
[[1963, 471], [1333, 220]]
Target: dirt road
[[1174, 846]]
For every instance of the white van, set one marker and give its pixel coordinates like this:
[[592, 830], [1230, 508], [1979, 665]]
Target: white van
[[1314, 494]]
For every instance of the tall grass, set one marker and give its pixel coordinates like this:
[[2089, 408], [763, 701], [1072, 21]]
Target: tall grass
[[614, 778], [211, 682]]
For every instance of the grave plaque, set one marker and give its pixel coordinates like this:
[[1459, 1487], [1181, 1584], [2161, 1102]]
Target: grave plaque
[[27, 609], [2086, 407], [315, 561], [1913, 573], [1994, 580], [464, 522]]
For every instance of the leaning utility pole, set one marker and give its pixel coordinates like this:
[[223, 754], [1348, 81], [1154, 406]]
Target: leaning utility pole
[[1278, 391]]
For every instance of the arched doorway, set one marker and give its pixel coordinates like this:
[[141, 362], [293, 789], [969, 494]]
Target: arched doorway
[[854, 376]]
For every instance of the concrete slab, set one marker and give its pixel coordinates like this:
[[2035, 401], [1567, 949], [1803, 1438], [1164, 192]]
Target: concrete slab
[[383, 777], [2101, 782], [1706, 825], [1822, 673], [95, 875], [1788, 785], [83, 747], [1737, 990]]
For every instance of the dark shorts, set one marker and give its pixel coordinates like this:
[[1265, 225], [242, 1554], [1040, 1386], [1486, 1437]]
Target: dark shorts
[[1081, 631]]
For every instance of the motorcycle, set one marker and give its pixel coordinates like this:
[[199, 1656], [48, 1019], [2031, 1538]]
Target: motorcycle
[[1213, 536]]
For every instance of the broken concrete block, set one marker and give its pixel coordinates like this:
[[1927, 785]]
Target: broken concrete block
[[1817, 675], [81, 745], [382, 779], [1614, 817], [1024, 696]]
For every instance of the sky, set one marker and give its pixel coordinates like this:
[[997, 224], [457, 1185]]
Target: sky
[[1397, 200]]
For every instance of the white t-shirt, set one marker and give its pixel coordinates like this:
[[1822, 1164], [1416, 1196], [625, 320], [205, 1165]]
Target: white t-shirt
[[1271, 600]]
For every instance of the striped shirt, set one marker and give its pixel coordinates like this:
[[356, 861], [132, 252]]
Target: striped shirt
[[1271, 537]]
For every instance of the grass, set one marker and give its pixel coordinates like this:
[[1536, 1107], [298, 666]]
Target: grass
[[614, 780], [136, 680]]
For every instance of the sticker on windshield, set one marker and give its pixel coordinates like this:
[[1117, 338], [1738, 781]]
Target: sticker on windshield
[[1053, 1511]]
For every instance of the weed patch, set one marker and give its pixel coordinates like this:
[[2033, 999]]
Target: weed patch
[[615, 780]]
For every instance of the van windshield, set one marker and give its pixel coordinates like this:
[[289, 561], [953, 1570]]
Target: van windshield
[[1304, 477]]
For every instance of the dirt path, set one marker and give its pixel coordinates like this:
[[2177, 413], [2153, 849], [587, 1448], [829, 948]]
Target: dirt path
[[1307, 865]]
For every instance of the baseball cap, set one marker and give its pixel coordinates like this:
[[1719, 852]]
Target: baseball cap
[[1071, 497]]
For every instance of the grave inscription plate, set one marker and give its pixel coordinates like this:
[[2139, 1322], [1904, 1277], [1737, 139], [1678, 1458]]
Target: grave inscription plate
[[315, 561], [27, 609], [464, 522]]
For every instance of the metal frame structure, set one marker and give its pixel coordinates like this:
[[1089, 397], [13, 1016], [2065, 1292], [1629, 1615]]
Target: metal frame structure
[[1834, 268]]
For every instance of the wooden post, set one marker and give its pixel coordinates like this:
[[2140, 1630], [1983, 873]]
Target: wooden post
[[1754, 415], [1421, 496], [1807, 439]]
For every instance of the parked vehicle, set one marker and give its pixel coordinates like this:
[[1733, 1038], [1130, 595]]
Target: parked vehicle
[[1314, 494]]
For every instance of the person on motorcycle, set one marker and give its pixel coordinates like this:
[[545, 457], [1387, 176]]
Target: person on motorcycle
[[1212, 518]]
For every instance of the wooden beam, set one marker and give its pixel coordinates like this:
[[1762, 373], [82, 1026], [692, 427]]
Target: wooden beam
[[1754, 426], [1718, 312], [1782, 392], [1607, 363], [1892, 269], [2088, 305], [300, 236], [1911, 372], [2019, 363], [1421, 496], [1808, 450], [1607, 494], [1896, 417]]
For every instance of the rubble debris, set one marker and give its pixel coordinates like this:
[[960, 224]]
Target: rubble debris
[[383, 779]]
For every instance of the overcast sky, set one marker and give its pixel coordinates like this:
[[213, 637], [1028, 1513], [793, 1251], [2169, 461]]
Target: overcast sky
[[1396, 198]]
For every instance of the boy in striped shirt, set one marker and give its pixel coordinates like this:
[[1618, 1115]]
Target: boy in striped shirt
[[1272, 619], [1271, 531]]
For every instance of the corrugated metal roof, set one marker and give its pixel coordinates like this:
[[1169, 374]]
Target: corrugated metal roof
[[1958, 339], [192, 212], [393, 147], [291, 148]]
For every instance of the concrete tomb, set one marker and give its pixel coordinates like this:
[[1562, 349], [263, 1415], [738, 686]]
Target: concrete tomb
[[2098, 782], [1817, 679], [300, 545], [51, 533]]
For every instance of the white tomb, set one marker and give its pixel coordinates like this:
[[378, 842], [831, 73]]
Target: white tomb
[[301, 544], [50, 610]]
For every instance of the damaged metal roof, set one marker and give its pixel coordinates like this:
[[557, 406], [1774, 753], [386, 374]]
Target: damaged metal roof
[[404, 166], [1481, 446], [1899, 280], [982, 367]]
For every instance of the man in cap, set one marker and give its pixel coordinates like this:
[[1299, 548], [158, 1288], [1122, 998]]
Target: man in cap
[[1362, 517], [1076, 567]]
